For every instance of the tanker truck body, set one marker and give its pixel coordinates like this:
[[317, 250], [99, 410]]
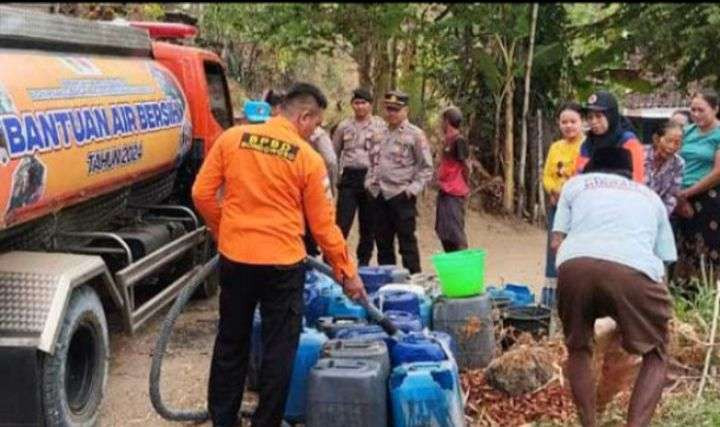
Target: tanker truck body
[[102, 130]]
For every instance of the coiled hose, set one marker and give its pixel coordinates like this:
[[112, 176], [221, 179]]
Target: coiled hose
[[199, 275]]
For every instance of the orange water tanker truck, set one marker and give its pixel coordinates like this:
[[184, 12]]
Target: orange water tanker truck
[[102, 129]]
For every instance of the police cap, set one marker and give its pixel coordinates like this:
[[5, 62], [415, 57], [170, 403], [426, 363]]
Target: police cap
[[397, 98]]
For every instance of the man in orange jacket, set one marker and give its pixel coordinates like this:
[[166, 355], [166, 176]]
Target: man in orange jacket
[[273, 180]]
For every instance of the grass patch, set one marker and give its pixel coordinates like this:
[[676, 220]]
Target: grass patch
[[693, 301], [681, 410]]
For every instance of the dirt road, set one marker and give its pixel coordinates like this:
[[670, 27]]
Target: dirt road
[[515, 253]]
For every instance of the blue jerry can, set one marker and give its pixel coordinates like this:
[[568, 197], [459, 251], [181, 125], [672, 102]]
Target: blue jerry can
[[308, 352], [425, 394]]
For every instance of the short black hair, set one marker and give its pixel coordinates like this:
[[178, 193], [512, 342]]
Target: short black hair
[[305, 90], [454, 116], [274, 98], [617, 160], [362, 93]]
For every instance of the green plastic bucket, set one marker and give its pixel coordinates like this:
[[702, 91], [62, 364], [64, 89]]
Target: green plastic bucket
[[461, 273]]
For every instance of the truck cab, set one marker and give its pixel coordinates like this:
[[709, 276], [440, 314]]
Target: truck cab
[[202, 76]]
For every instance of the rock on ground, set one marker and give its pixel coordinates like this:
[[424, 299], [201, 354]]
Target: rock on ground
[[523, 369]]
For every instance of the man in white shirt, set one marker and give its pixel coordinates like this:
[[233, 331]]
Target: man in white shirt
[[613, 236]]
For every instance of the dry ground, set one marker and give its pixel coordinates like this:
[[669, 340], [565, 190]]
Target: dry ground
[[515, 253]]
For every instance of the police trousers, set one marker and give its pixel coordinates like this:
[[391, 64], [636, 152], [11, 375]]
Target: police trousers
[[278, 290], [352, 197], [398, 219]]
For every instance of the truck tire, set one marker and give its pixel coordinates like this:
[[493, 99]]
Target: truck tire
[[74, 377], [209, 286]]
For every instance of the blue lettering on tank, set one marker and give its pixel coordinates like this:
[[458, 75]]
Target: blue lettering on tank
[[142, 118], [165, 119], [90, 127], [14, 135], [32, 135], [78, 126], [130, 123], [118, 122], [49, 130], [62, 118], [101, 121]]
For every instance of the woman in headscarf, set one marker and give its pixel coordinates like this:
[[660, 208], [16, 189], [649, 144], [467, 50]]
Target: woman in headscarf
[[609, 129]]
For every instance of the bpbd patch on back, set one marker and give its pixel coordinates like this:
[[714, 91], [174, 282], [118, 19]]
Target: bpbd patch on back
[[268, 145]]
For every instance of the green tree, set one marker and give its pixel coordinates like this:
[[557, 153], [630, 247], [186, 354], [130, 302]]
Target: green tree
[[478, 56]]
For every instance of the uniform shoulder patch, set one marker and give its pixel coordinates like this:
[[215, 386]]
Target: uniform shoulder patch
[[269, 145], [416, 129]]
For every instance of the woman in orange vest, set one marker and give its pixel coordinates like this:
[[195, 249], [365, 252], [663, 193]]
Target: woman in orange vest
[[609, 129]]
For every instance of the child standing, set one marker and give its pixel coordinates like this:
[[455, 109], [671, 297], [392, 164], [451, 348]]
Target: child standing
[[663, 165], [559, 167]]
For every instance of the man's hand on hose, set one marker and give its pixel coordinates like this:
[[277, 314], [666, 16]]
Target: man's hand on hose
[[354, 288]]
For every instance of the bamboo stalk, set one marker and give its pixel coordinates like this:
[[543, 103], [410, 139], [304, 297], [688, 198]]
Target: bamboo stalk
[[708, 354], [541, 191], [522, 191]]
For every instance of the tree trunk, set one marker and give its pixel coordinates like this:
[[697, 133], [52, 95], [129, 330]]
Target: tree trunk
[[394, 67], [541, 191], [533, 174], [508, 163], [496, 137], [526, 106], [381, 71], [363, 60]]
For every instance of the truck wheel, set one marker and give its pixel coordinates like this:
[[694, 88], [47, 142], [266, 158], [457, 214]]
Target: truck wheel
[[209, 287], [74, 377]]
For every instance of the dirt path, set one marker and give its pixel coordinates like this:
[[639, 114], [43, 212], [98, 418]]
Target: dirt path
[[515, 253]]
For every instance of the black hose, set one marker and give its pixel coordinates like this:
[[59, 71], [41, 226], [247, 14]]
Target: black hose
[[199, 275], [375, 314]]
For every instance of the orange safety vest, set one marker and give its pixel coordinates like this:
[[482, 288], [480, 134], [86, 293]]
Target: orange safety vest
[[637, 154], [271, 177]]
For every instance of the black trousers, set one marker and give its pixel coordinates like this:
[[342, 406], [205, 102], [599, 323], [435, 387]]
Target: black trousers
[[278, 289], [352, 197], [398, 219], [450, 222]]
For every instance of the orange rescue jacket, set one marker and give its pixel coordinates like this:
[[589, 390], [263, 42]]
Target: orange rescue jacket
[[270, 176]]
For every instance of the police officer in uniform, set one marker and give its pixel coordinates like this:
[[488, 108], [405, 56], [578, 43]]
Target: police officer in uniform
[[320, 141], [354, 139], [402, 166]]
